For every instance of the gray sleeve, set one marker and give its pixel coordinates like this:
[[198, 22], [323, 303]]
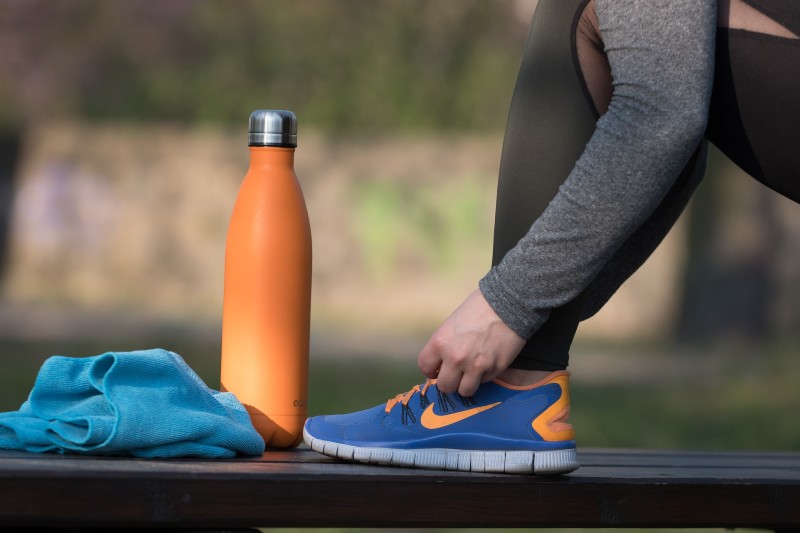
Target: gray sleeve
[[661, 57]]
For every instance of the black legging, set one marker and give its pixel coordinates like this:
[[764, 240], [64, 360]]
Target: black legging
[[549, 123], [754, 119]]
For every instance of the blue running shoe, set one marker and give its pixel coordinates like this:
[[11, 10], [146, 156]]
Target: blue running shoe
[[502, 428]]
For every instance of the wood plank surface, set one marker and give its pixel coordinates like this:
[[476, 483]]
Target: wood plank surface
[[613, 488]]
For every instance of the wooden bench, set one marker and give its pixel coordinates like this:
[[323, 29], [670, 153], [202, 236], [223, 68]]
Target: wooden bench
[[613, 488]]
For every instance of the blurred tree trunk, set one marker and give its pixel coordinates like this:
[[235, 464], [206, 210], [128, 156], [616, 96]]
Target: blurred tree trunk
[[728, 288], [10, 146]]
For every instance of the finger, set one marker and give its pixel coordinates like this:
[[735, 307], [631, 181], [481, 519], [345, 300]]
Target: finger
[[489, 376], [449, 379], [469, 384]]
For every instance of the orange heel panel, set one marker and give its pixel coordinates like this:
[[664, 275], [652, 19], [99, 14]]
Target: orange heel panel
[[553, 424]]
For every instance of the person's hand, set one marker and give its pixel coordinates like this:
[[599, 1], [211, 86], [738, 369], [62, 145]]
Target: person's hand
[[472, 346]]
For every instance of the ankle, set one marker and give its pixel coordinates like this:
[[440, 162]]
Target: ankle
[[522, 377]]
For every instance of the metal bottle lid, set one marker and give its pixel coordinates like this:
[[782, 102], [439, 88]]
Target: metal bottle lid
[[272, 128]]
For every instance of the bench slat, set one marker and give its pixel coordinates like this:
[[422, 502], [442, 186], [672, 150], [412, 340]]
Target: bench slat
[[613, 488]]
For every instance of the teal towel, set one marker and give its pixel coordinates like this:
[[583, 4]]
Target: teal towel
[[147, 403]]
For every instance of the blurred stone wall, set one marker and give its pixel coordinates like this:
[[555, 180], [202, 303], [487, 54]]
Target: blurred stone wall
[[134, 218]]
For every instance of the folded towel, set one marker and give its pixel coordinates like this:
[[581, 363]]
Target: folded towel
[[147, 403]]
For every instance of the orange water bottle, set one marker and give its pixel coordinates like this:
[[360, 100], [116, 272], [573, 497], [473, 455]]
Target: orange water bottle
[[267, 297]]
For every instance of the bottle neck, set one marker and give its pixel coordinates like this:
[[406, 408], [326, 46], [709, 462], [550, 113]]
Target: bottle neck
[[271, 156]]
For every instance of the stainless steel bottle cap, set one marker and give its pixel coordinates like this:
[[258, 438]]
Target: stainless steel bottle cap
[[272, 128]]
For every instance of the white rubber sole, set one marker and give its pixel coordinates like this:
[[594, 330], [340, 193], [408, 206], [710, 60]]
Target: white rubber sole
[[509, 462]]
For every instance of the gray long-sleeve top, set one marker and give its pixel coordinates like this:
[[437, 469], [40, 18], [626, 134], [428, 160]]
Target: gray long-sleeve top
[[661, 55]]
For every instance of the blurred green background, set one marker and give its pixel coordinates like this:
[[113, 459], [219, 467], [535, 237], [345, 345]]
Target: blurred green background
[[122, 144]]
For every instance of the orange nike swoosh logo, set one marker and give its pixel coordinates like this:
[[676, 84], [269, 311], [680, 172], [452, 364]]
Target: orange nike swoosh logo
[[431, 420]]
